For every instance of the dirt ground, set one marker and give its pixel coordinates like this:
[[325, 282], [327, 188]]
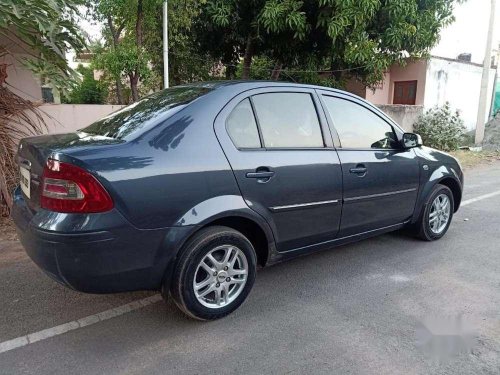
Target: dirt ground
[[7, 231], [470, 159], [10, 250]]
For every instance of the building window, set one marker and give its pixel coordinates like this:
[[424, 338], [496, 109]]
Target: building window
[[405, 92], [47, 95]]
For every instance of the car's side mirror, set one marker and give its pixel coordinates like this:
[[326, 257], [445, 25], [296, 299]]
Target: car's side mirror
[[411, 140]]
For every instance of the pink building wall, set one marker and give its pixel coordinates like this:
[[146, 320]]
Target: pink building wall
[[414, 71], [381, 93], [67, 118], [20, 80]]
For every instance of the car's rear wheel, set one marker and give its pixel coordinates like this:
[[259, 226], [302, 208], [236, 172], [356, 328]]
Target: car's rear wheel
[[214, 274], [437, 214]]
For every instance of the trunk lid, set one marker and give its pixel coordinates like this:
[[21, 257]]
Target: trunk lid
[[33, 153]]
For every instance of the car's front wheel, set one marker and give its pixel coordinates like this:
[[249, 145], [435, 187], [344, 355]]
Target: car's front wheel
[[437, 214], [214, 274]]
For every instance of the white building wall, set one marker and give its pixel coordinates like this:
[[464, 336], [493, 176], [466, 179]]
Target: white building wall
[[459, 84]]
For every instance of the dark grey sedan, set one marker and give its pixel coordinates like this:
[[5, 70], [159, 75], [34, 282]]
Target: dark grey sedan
[[191, 188]]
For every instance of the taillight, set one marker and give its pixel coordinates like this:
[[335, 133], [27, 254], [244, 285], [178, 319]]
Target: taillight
[[68, 188]]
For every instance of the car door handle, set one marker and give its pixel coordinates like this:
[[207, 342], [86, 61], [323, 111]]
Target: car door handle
[[266, 174], [359, 170], [262, 174]]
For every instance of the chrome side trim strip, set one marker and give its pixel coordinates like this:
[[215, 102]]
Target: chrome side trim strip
[[379, 195], [300, 205]]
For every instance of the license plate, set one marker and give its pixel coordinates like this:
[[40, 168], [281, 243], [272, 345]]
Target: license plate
[[25, 180]]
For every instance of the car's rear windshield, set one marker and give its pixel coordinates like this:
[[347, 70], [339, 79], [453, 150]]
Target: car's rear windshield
[[148, 111]]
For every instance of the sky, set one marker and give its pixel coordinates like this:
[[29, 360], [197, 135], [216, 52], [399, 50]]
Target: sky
[[468, 33], [93, 29]]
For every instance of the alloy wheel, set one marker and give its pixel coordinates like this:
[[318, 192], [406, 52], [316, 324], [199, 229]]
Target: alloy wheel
[[439, 215], [220, 276]]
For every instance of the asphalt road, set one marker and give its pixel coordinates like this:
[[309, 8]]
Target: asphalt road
[[388, 305]]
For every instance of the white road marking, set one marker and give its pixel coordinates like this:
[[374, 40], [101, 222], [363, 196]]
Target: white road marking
[[480, 198], [75, 324], [400, 278]]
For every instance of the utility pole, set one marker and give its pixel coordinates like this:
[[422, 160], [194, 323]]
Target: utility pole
[[481, 112], [165, 44]]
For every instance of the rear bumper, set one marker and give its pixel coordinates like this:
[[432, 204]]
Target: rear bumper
[[96, 253]]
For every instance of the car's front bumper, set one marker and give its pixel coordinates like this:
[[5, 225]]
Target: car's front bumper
[[96, 253]]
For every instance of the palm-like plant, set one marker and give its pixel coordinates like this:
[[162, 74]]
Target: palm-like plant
[[44, 30]]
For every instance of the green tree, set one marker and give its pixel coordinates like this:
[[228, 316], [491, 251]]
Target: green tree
[[187, 62], [368, 36], [89, 90], [45, 30], [242, 27], [125, 54], [363, 37]]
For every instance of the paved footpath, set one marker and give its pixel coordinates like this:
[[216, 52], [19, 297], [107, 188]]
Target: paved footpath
[[365, 308]]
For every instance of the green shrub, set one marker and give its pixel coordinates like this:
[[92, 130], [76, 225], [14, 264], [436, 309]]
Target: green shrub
[[441, 128], [89, 90]]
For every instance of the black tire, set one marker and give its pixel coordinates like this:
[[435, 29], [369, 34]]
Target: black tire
[[192, 254], [422, 227]]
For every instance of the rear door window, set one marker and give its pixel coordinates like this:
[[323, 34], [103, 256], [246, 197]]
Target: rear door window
[[242, 127], [288, 120]]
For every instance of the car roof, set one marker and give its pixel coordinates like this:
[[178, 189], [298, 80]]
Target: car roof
[[250, 84]]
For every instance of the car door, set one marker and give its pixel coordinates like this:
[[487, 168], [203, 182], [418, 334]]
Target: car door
[[381, 178], [279, 146]]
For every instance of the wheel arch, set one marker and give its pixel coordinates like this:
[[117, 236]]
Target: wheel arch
[[454, 186], [233, 212], [250, 229], [439, 177], [239, 218]]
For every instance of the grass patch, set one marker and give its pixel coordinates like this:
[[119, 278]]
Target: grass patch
[[470, 159]]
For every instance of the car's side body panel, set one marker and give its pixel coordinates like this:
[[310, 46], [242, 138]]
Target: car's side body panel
[[385, 194], [302, 201], [276, 257], [173, 167]]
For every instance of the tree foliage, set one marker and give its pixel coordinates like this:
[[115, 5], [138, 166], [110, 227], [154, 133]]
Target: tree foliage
[[187, 63], [314, 41], [125, 55], [88, 90], [45, 30], [363, 37], [370, 35], [252, 28]]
